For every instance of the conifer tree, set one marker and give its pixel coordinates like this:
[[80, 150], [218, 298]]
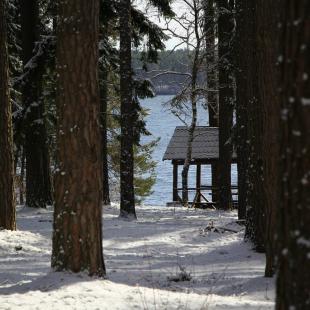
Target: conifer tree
[[212, 81], [266, 34], [7, 195], [293, 234], [107, 13], [77, 236], [243, 20], [127, 208], [226, 100], [38, 181], [249, 126]]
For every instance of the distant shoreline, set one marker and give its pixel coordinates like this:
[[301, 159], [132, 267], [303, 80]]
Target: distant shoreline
[[165, 93], [165, 90]]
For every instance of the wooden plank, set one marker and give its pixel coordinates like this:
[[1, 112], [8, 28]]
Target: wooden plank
[[175, 183], [198, 182]]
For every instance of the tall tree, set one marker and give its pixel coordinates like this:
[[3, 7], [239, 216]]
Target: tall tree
[[257, 112], [262, 125], [106, 10], [294, 217], [38, 182], [211, 62], [242, 55], [255, 209], [212, 80], [7, 195], [103, 113], [226, 99], [266, 34], [127, 208], [77, 237]]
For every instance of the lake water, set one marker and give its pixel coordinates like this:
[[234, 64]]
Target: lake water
[[161, 123]]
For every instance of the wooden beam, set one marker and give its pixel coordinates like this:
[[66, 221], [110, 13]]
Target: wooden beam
[[198, 181], [201, 161], [175, 183]]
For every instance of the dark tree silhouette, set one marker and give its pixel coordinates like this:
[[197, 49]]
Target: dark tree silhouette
[[268, 99], [7, 195], [255, 217], [77, 237], [293, 234], [226, 100], [212, 81], [242, 75], [127, 208], [38, 181]]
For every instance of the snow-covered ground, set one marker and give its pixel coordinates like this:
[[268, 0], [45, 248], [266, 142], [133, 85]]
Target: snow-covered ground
[[144, 260]]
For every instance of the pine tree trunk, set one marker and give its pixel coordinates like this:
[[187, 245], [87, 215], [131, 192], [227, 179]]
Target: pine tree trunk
[[77, 236], [243, 16], [262, 129], [255, 196], [212, 83], [127, 208], [22, 177], [226, 99], [38, 181], [103, 112], [294, 215], [268, 99], [103, 84], [7, 195]]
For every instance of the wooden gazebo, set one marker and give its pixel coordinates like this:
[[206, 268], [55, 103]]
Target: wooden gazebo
[[205, 151]]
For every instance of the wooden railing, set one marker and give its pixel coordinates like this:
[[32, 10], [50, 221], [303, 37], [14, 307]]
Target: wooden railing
[[199, 196]]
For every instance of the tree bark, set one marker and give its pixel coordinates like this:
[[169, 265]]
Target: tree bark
[[211, 59], [103, 84], [293, 233], [243, 16], [268, 99], [7, 195], [104, 138], [262, 129], [77, 236], [22, 177], [127, 207], [38, 180], [255, 199], [226, 101], [212, 83]]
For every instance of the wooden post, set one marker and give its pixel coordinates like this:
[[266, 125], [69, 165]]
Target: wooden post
[[175, 182], [215, 181], [198, 182]]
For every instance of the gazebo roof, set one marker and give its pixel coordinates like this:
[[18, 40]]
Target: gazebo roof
[[205, 144]]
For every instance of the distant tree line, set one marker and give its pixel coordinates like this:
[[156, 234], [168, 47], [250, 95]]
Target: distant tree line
[[173, 61]]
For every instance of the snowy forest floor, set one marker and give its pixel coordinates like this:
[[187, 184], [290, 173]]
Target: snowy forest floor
[[146, 261]]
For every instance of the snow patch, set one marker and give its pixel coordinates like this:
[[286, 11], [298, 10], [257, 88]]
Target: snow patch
[[222, 271]]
